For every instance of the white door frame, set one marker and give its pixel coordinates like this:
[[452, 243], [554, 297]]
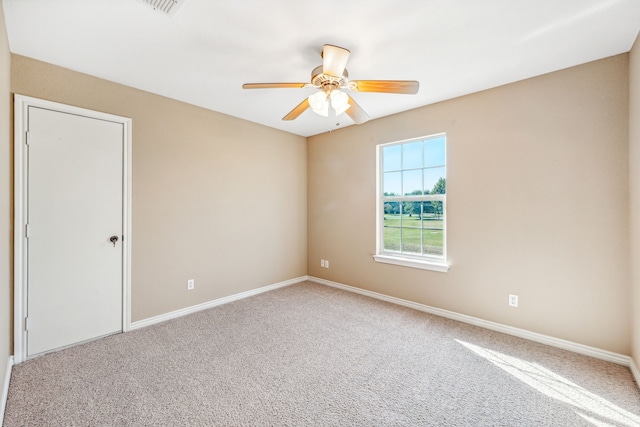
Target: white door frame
[[21, 105]]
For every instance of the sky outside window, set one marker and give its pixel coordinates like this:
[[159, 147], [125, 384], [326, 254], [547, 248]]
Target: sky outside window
[[425, 159]]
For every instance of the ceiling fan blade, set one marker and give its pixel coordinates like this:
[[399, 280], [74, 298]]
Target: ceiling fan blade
[[300, 108], [275, 85], [409, 87], [356, 112], [334, 59]]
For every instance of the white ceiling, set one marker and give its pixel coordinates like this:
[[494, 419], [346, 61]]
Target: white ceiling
[[206, 51]]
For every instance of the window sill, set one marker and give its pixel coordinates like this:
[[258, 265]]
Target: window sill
[[413, 263]]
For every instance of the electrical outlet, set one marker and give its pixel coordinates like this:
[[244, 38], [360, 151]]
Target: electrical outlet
[[513, 300], [326, 263], [191, 284], [322, 263]]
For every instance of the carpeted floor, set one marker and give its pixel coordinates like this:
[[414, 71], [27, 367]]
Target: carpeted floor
[[311, 355]]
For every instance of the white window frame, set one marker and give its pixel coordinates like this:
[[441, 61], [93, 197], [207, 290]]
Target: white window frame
[[425, 262]]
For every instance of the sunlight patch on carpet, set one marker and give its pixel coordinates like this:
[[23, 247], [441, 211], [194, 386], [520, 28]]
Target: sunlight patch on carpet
[[557, 387]]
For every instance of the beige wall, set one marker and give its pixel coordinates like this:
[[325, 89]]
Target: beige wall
[[537, 205], [537, 200], [6, 234], [215, 198], [634, 181]]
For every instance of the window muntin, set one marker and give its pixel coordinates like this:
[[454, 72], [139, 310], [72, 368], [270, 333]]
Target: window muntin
[[412, 199]]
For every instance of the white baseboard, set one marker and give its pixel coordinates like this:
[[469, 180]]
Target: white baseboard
[[597, 353], [195, 308], [635, 372], [5, 389], [608, 356]]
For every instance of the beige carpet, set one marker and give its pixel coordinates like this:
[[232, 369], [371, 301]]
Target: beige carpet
[[310, 355]]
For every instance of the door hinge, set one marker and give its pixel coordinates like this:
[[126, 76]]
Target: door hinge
[[26, 324], [27, 138], [26, 230]]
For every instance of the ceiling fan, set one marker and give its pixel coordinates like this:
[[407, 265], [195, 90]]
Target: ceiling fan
[[330, 78]]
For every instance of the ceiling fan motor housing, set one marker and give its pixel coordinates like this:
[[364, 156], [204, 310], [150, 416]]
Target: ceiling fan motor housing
[[328, 82]]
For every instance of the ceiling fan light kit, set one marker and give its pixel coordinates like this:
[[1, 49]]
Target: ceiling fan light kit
[[330, 78], [320, 101]]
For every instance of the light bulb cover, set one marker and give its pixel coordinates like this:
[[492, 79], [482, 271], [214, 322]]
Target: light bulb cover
[[339, 102], [319, 104]]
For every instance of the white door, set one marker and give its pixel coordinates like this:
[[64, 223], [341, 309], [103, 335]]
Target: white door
[[74, 207]]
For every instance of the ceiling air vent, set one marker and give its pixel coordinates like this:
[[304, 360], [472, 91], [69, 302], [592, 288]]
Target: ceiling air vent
[[168, 7]]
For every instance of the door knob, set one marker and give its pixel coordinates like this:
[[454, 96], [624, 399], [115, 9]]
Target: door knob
[[113, 240]]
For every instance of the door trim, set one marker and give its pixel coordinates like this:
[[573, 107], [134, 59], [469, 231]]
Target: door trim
[[21, 106]]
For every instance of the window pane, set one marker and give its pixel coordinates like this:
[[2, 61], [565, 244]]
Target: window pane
[[433, 242], [431, 178], [411, 210], [432, 216], [434, 152], [427, 211], [392, 156], [412, 240], [411, 217], [392, 184], [412, 155], [392, 214], [412, 182], [391, 239], [433, 224]]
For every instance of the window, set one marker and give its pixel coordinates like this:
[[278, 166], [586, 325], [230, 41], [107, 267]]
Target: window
[[412, 203]]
